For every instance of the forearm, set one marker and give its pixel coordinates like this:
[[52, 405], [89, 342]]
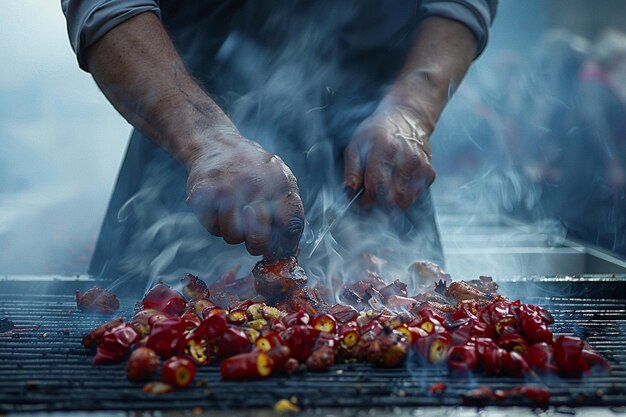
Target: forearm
[[441, 53], [137, 67]]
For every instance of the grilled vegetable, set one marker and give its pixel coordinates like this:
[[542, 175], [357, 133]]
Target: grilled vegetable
[[178, 372]]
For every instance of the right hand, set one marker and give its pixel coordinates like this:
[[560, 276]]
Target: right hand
[[243, 193]]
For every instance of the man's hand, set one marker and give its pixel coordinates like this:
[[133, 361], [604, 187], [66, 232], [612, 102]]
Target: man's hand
[[236, 189], [389, 156], [243, 193]]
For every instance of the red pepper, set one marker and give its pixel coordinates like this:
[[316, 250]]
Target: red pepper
[[164, 298], [568, 356], [513, 343], [237, 317], [429, 313], [462, 358], [92, 339], [349, 334], [297, 318], [502, 316], [598, 364], [232, 342], [429, 324], [371, 330], [539, 358], [178, 372], [194, 288], [214, 325], [515, 365], [191, 319], [388, 350], [538, 395], [321, 359], [463, 330], [142, 364], [166, 337], [280, 356], [196, 347], [490, 356], [143, 320], [115, 344], [269, 341], [300, 339], [252, 365], [324, 323], [433, 349], [534, 327]]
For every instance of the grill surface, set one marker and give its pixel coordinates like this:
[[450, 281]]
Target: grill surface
[[48, 369]]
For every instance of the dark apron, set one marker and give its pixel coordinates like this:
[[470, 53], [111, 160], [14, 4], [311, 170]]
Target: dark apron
[[297, 77]]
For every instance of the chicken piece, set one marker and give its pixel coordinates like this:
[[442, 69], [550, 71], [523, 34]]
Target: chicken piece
[[459, 291], [97, 300], [426, 273], [275, 278]]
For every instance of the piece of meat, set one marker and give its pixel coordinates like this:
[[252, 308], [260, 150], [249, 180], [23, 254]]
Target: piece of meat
[[430, 296], [97, 300], [305, 299], [459, 291], [441, 309], [275, 278], [395, 288], [485, 284], [370, 280], [426, 272], [194, 288]]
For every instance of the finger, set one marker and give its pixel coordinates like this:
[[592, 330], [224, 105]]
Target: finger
[[231, 223], [288, 225], [378, 180], [257, 223], [410, 187], [202, 203], [353, 169]]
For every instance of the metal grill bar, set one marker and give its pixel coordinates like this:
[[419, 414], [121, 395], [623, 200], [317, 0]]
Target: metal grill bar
[[47, 369]]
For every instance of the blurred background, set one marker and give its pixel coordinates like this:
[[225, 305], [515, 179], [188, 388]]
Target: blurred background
[[536, 133]]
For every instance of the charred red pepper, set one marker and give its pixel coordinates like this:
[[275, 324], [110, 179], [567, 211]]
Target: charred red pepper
[[321, 359], [252, 365], [164, 298], [514, 364], [343, 313], [142, 364], [388, 350], [178, 372], [349, 334], [533, 326], [92, 339], [297, 318]]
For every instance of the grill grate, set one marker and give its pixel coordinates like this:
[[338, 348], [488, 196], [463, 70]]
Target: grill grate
[[55, 373]]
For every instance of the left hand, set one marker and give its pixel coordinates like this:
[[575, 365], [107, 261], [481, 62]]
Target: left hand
[[389, 156]]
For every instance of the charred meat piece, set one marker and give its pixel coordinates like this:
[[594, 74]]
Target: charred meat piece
[[440, 309], [395, 288], [97, 300], [371, 280], [431, 296], [461, 291], [305, 299], [194, 288], [343, 313], [275, 278], [425, 272], [485, 284]]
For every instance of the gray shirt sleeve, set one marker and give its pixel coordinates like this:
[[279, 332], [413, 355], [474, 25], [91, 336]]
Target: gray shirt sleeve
[[477, 15], [89, 20]]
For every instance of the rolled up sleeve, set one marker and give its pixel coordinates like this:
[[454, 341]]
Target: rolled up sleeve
[[477, 15], [90, 20]]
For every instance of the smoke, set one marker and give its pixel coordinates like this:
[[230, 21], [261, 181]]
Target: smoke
[[300, 98]]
